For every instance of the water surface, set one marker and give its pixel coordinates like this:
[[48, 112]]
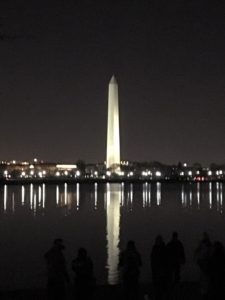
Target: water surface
[[102, 218]]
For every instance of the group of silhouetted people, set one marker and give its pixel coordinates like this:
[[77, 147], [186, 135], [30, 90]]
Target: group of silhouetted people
[[210, 258], [166, 262], [58, 277]]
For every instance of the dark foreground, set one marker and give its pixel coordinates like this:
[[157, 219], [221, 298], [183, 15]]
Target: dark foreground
[[186, 290]]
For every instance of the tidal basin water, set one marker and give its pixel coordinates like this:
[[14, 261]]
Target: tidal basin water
[[102, 218]]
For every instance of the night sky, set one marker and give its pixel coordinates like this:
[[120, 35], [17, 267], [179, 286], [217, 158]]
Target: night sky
[[57, 57]]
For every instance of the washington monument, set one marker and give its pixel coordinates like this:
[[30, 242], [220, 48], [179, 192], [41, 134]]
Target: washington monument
[[113, 129]]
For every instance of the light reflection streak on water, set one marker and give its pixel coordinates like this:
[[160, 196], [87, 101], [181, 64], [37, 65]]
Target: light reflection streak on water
[[190, 197], [198, 194], [23, 194], [57, 195], [113, 196], [31, 195], [158, 193], [186, 195], [13, 202], [221, 197], [78, 195], [149, 194], [43, 195], [145, 194], [96, 195], [210, 195], [35, 204], [182, 195], [122, 194], [39, 195], [131, 196], [218, 195], [221, 194], [5, 196], [65, 194]]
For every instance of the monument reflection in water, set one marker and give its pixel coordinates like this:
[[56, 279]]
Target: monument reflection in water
[[113, 198]]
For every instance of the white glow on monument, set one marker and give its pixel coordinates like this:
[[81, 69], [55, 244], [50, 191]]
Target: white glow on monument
[[113, 131]]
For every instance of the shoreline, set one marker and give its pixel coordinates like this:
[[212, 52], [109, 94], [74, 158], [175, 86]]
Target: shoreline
[[185, 290], [98, 180]]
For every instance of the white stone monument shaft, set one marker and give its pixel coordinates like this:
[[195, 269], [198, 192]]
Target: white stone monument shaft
[[113, 131]]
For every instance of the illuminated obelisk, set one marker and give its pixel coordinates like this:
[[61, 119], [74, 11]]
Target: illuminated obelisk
[[113, 130]]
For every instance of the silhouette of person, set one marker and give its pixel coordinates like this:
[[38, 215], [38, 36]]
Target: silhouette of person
[[57, 272], [84, 281], [159, 264], [217, 272], [130, 263], [203, 255], [176, 257]]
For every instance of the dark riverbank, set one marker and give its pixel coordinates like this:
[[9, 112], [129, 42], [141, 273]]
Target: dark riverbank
[[186, 291], [94, 180]]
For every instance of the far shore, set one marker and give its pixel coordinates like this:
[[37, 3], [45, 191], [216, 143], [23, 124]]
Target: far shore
[[25, 181]]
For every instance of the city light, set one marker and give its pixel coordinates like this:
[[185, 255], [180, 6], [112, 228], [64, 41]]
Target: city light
[[66, 166], [78, 173], [108, 173], [158, 174], [139, 171]]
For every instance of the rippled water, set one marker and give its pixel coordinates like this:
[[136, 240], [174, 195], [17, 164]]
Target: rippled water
[[102, 218]]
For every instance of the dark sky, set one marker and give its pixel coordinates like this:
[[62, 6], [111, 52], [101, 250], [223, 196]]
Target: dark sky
[[57, 57]]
